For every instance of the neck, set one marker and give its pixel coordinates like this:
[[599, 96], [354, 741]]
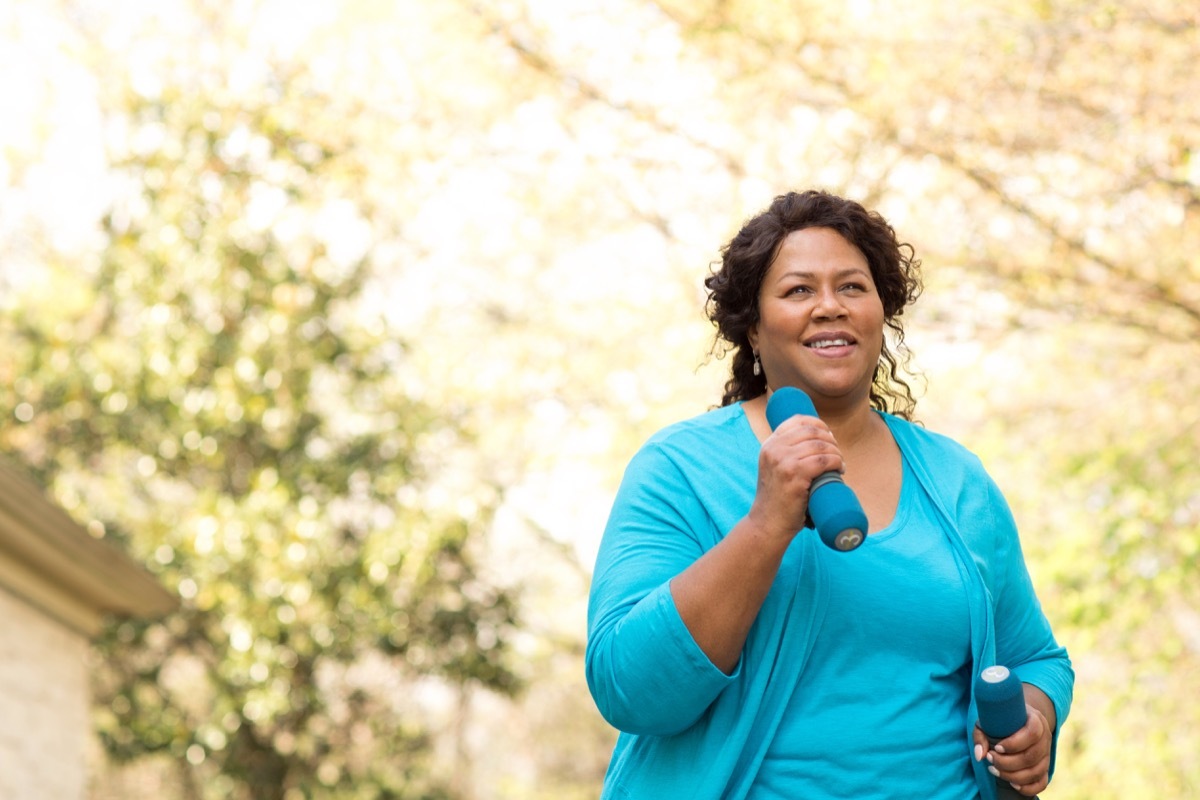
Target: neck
[[851, 422]]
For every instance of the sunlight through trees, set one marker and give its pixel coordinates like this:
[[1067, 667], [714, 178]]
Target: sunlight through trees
[[345, 318]]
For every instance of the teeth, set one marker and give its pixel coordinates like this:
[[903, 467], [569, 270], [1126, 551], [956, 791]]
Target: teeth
[[829, 343]]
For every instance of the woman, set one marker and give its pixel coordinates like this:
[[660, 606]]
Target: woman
[[740, 657]]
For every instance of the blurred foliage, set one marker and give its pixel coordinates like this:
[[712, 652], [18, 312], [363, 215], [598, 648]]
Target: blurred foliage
[[527, 195], [208, 391], [1042, 159]]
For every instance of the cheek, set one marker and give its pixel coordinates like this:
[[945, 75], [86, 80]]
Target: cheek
[[879, 326], [881, 314]]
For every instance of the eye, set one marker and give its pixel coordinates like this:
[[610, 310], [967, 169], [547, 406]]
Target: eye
[[801, 289]]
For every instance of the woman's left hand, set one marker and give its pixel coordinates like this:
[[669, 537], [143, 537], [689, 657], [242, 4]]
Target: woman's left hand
[[1023, 759]]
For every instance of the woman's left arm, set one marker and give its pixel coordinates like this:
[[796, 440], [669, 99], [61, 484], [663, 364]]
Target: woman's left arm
[[1026, 644]]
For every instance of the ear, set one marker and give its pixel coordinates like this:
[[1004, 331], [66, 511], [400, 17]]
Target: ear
[[752, 336]]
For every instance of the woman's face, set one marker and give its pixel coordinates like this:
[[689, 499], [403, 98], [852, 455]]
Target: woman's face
[[821, 318]]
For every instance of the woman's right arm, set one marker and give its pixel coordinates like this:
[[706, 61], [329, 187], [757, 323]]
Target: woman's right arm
[[719, 595], [667, 619]]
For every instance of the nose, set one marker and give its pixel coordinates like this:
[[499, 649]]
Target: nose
[[829, 304]]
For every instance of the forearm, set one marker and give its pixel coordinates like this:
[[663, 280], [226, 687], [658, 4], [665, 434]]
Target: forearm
[[1038, 699], [720, 594]]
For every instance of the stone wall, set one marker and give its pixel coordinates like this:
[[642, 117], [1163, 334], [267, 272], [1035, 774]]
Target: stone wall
[[44, 705]]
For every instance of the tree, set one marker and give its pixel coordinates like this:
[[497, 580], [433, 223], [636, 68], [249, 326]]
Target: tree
[[545, 185], [208, 391], [1039, 158]]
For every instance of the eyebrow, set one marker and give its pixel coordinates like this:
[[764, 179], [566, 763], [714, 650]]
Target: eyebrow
[[842, 273]]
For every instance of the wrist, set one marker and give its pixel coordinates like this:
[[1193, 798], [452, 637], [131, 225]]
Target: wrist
[[1037, 699], [769, 529]]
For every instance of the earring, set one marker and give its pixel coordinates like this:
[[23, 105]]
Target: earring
[[757, 365]]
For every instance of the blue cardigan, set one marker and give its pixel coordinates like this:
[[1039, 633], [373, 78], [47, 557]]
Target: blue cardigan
[[688, 729]]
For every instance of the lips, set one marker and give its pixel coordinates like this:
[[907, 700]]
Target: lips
[[827, 341]]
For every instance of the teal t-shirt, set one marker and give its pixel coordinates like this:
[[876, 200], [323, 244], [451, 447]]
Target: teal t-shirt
[[894, 655], [688, 730]]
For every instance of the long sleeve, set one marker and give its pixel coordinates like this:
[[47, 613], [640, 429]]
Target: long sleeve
[[1020, 636], [1024, 640], [645, 671], [689, 730]]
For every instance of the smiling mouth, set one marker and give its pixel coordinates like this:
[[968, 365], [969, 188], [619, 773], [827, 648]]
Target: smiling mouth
[[820, 344]]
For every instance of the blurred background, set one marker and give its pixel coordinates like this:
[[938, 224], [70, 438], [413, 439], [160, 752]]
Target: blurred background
[[343, 320]]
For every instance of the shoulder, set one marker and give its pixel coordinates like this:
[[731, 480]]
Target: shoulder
[[948, 471], [934, 449], [957, 477], [700, 430], [687, 450]]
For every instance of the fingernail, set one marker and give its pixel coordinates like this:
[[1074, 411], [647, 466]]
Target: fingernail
[[1000, 748], [995, 772], [990, 759], [1015, 786], [979, 752]]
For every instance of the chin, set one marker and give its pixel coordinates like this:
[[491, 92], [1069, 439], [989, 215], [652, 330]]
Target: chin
[[839, 393]]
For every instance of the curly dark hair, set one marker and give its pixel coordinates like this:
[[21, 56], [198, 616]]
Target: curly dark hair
[[733, 287]]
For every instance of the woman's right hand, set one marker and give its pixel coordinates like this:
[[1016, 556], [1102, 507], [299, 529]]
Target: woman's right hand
[[720, 594], [792, 457]]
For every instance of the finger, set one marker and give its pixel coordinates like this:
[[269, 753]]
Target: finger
[[801, 421], [1023, 766], [804, 428], [802, 460], [801, 429], [794, 473], [981, 745], [1031, 736], [1021, 776], [1031, 789]]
